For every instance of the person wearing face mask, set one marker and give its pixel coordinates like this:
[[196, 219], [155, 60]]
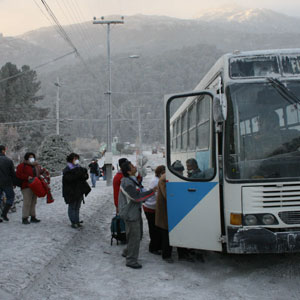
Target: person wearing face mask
[[26, 171], [74, 187]]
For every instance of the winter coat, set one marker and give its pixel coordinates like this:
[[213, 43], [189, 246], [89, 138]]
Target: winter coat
[[150, 203], [161, 215], [131, 198], [94, 168], [116, 185], [27, 169], [74, 184], [7, 171]]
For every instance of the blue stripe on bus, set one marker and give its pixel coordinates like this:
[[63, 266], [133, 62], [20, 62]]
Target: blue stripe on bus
[[180, 201]]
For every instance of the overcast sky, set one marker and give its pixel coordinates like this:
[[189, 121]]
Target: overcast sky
[[19, 16]]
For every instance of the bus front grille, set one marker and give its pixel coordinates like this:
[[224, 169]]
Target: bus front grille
[[290, 217], [271, 196]]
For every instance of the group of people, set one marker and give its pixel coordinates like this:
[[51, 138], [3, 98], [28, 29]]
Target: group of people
[[74, 185], [130, 197], [23, 176]]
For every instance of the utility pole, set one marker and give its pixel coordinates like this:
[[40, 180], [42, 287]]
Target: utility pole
[[57, 105], [108, 154], [139, 131]]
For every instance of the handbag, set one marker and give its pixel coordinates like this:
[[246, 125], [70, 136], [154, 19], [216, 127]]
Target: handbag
[[37, 187]]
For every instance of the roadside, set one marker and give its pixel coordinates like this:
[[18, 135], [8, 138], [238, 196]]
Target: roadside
[[26, 250]]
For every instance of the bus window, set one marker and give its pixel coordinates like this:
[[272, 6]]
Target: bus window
[[290, 64], [192, 127], [178, 132], [203, 132], [195, 156], [292, 114], [254, 66], [184, 140], [269, 144], [173, 135]]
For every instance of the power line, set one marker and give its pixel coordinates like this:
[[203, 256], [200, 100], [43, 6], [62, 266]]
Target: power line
[[37, 67], [65, 36], [71, 20], [26, 122]]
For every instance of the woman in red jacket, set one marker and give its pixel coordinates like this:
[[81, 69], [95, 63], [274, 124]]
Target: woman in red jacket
[[26, 171]]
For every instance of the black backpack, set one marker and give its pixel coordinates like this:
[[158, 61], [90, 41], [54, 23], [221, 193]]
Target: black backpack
[[118, 230]]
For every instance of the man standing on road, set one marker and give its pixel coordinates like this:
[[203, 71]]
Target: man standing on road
[[130, 202], [7, 176], [94, 171]]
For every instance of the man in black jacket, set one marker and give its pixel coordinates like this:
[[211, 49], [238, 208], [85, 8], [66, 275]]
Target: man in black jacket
[[7, 177]]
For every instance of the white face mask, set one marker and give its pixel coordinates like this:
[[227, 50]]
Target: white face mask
[[76, 162], [31, 159]]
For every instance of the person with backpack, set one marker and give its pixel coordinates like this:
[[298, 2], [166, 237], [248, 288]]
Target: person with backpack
[[130, 201], [27, 171], [74, 187], [7, 179], [94, 171]]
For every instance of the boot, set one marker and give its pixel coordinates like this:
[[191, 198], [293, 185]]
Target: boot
[[25, 221], [5, 211], [34, 220]]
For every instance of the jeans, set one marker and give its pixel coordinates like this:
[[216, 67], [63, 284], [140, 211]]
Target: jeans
[[93, 179], [9, 193], [73, 211]]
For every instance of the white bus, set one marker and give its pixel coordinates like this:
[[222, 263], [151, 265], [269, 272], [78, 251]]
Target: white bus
[[233, 156]]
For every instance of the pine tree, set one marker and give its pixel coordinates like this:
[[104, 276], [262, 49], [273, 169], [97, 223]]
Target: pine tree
[[18, 98]]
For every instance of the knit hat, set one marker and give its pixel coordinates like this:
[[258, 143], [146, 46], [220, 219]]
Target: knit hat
[[122, 160], [177, 166]]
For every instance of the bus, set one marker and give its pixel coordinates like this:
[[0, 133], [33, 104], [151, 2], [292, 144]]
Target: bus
[[233, 156]]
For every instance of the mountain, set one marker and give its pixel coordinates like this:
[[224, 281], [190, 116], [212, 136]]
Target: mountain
[[174, 56], [258, 20]]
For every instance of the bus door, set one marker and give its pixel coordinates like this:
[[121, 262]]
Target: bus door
[[192, 188]]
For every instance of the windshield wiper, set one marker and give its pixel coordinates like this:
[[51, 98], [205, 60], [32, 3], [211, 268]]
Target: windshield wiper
[[285, 92]]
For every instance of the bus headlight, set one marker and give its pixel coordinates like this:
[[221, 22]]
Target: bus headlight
[[268, 219], [250, 220]]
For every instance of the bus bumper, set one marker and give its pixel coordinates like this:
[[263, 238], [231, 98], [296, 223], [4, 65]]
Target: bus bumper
[[261, 240]]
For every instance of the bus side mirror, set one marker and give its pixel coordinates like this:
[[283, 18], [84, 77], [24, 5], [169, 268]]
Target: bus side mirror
[[219, 109]]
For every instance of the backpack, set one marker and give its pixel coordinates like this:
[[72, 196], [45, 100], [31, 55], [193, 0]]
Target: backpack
[[118, 231]]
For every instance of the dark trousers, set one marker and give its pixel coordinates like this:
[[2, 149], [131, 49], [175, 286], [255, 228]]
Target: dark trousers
[[133, 235], [165, 244], [154, 232], [9, 193], [167, 249], [73, 211]]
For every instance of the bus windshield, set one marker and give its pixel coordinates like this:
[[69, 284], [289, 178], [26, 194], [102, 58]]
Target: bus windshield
[[262, 132]]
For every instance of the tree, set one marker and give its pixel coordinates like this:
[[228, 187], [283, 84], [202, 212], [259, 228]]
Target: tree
[[18, 97]]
